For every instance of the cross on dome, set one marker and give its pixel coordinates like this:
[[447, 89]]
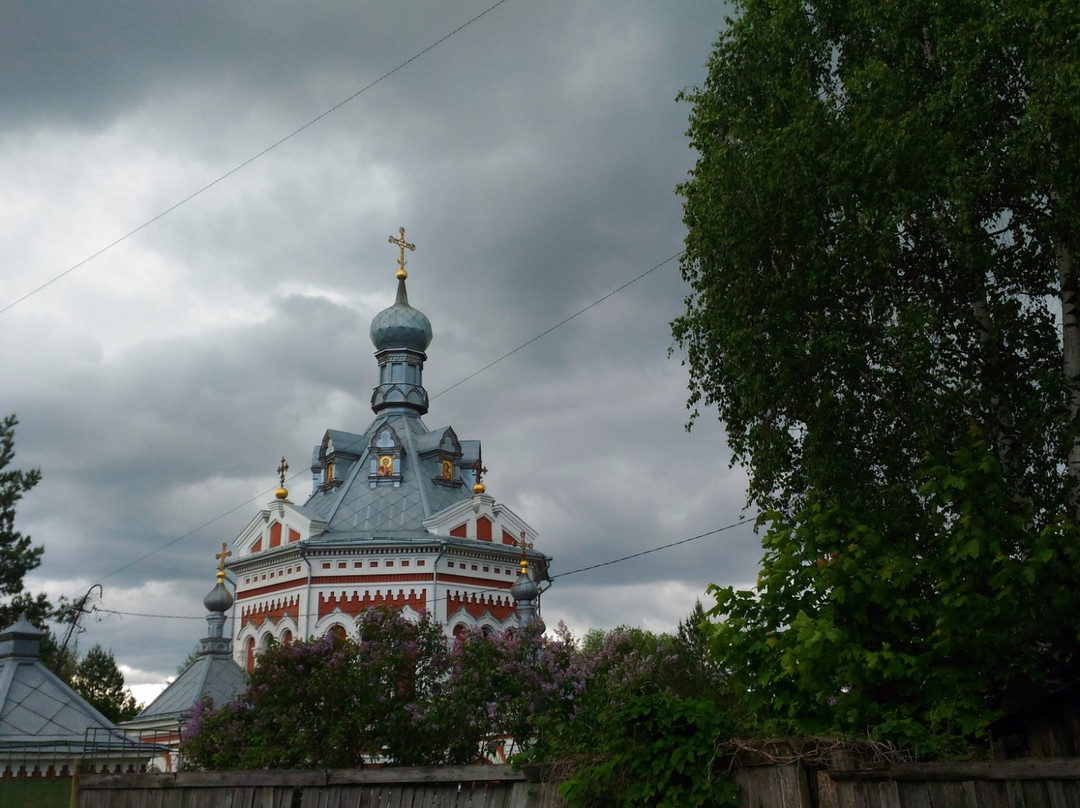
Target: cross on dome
[[403, 245], [225, 553], [282, 492], [480, 470], [524, 545]]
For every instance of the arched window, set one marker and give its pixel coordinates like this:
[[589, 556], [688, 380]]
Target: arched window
[[249, 654], [337, 631], [286, 637]]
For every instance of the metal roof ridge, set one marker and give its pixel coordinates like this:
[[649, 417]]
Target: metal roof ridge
[[347, 483], [414, 458]]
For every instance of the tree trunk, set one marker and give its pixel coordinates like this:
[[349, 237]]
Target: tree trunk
[[1070, 337]]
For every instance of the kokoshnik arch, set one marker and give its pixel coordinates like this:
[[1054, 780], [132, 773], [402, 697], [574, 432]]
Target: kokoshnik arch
[[398, 516]]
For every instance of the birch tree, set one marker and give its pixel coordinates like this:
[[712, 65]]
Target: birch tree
[[881, 230]]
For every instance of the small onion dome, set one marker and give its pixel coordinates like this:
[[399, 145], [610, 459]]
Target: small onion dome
[[282, 493], [479, 488], [401, 326], [219, 599], [525, 588]]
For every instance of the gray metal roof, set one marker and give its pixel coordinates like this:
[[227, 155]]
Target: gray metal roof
[[214, 675], [356, 509], [37, 709]]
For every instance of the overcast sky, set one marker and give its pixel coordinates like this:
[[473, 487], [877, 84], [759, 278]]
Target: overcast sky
[[532, 157]]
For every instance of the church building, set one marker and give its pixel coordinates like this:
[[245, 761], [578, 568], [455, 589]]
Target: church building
[[397, 516]]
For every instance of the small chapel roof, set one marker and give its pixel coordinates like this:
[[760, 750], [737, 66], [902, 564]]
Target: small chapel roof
[[217, 677], [39, 711], [213, 673]]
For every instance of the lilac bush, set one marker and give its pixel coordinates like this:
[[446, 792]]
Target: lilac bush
[[618, 706], [332, 702]]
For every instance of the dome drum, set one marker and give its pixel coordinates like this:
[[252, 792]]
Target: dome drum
[[401, 395]]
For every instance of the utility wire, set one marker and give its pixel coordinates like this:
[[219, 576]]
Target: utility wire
[[194, 530], [558, 325], [619, 560], [252, 159], [500, 589]]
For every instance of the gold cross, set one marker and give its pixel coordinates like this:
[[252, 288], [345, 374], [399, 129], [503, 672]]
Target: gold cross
[[478, 467], [524, 545], [284, 467], [225, 553], [403, 245]]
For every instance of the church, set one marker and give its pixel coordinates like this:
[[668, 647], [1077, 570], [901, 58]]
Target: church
[[397, 516]]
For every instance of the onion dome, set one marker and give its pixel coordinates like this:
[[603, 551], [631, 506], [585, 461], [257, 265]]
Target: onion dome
[[219, 599], [401, 334], [401, 326], [525, 589]]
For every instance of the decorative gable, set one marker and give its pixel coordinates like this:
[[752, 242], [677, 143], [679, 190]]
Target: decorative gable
[[441, 453], [480, 518], [336, 455], [385, 455], [280, 524]]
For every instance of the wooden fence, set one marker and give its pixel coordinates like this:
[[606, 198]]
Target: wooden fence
[[1026, 783], [392, 787], [1032, 783]]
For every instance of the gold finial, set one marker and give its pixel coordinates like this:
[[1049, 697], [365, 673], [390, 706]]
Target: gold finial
[[282, 492], [478, 467], [403, 245], [524, 545], [225, 553]]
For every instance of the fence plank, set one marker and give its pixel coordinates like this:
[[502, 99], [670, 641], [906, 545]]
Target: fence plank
[[1021, 769], [914, 794]]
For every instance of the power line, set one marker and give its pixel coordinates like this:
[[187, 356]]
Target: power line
[[185, 535], [619, 560], [252, 159], [558, 325], [500, 589]]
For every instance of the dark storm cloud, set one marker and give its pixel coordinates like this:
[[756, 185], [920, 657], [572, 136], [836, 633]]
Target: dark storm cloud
[[533, 159]]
